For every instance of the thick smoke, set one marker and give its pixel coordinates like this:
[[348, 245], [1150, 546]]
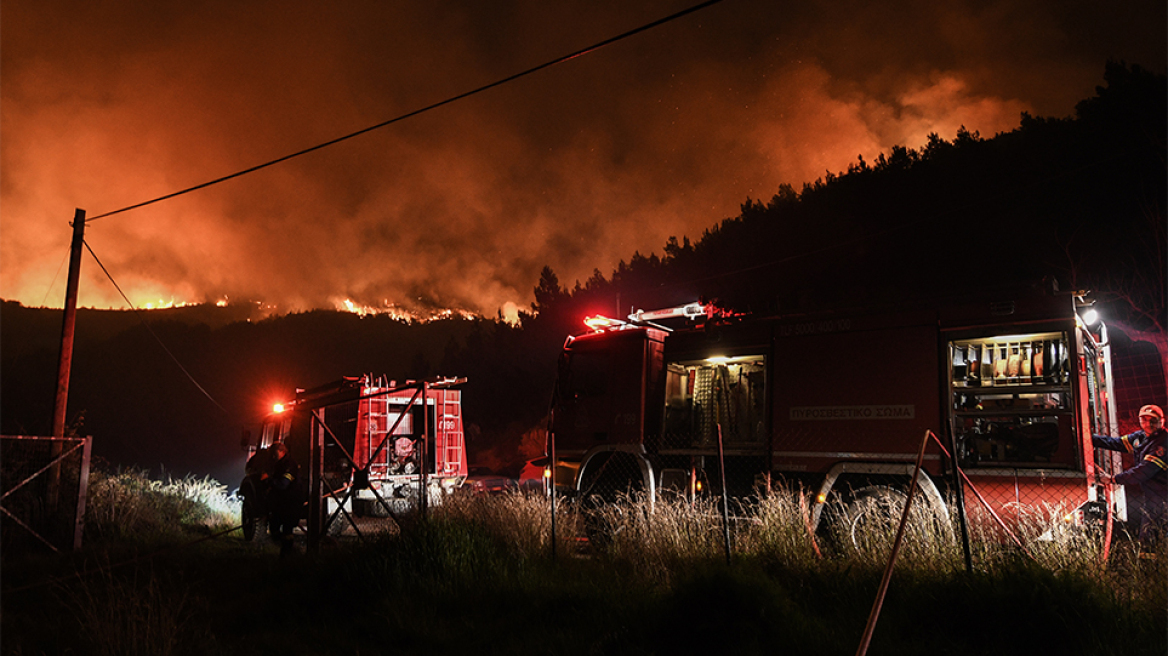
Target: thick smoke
[[575, 167]]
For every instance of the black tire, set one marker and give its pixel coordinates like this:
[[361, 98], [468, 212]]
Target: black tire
[[338, 526], [873, 515], [611, 476], [248, 520]]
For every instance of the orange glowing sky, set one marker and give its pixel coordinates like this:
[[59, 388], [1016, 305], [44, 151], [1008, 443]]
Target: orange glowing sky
[[105, 105]]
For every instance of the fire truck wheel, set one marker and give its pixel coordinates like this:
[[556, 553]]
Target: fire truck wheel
[[602, 521], [338, 525], [611, 476], [872, 516], [249, 521]]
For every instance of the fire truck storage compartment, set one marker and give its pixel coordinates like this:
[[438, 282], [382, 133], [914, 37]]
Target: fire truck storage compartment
[[718, 391], [865, 388], [605, 381], [1010, 399], [376, 448]]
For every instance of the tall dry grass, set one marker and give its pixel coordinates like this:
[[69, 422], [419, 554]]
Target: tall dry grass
[[128, 504], [657, 540], [131, 615], [520, 520], [479, 563]]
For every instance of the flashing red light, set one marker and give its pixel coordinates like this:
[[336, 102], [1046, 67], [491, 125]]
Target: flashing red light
[[600, 322], [278, 407]]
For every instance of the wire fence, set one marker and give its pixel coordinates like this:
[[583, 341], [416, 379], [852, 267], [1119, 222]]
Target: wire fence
[[42, 492]]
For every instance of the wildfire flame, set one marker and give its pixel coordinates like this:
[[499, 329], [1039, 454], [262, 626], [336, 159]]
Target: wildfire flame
[[164, 305], [401, 314]]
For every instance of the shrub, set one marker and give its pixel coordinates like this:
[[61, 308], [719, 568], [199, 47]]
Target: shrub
[[128, 504]]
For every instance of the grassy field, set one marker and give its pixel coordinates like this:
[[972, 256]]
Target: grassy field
[[477, 578]]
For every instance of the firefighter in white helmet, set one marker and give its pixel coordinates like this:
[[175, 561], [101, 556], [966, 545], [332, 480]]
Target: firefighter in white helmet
[[1149, 448]]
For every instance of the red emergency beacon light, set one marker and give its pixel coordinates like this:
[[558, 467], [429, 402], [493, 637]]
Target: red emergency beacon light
[[601, 323]]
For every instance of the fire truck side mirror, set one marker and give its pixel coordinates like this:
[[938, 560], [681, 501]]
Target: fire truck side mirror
[[245, 440]]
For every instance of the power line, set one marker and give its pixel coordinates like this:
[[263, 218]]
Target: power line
[[54, 280], [466, 94], [151, 330]]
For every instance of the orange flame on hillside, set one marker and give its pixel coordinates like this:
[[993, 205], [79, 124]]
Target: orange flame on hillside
[[165, 305], [401, 314]]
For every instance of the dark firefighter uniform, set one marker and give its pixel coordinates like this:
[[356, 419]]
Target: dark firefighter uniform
[[284, 502], [1149, 448]]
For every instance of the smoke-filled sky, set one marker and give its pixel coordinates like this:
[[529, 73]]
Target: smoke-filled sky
[[578, 166]]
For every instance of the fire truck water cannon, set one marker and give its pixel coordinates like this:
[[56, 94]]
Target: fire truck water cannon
[[701, 313], [692, 312]]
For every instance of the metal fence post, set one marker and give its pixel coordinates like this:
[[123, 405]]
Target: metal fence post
[[423, 481], [725, 496], [315, 473], [82, 491], [959, 492]]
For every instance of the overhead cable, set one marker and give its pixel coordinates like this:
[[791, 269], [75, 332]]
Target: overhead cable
[[60, 266], [151, 330], [559, 60]]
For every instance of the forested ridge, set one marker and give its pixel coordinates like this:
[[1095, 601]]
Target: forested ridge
[[1080, 198]]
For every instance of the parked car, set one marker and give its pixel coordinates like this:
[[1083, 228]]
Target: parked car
[[483, 482]]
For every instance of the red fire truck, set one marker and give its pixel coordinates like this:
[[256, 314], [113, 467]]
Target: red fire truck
[[367, 445], [840, 402]]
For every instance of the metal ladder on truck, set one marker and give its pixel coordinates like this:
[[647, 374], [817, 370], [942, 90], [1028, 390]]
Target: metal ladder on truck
[[449, 411], [377, 427]]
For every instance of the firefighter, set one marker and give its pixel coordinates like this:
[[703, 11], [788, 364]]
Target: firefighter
[[1149, 447], [254, 488], [284, 502]]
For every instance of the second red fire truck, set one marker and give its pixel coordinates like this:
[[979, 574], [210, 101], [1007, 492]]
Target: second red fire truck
[[840, 402], [365, 445]]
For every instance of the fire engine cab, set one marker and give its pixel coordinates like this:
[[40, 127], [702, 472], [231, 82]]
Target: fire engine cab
[[1016, 382], [366, 445]]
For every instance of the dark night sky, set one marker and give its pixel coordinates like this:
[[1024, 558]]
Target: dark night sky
[[578, 166]]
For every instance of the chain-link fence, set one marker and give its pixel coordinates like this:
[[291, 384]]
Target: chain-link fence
[[850, 501], [43, 482]]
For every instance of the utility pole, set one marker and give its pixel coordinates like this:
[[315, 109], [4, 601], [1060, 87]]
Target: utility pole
[[65, 362]]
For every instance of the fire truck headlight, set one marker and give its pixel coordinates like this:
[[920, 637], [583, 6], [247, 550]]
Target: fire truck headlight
[[1090, 317]]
